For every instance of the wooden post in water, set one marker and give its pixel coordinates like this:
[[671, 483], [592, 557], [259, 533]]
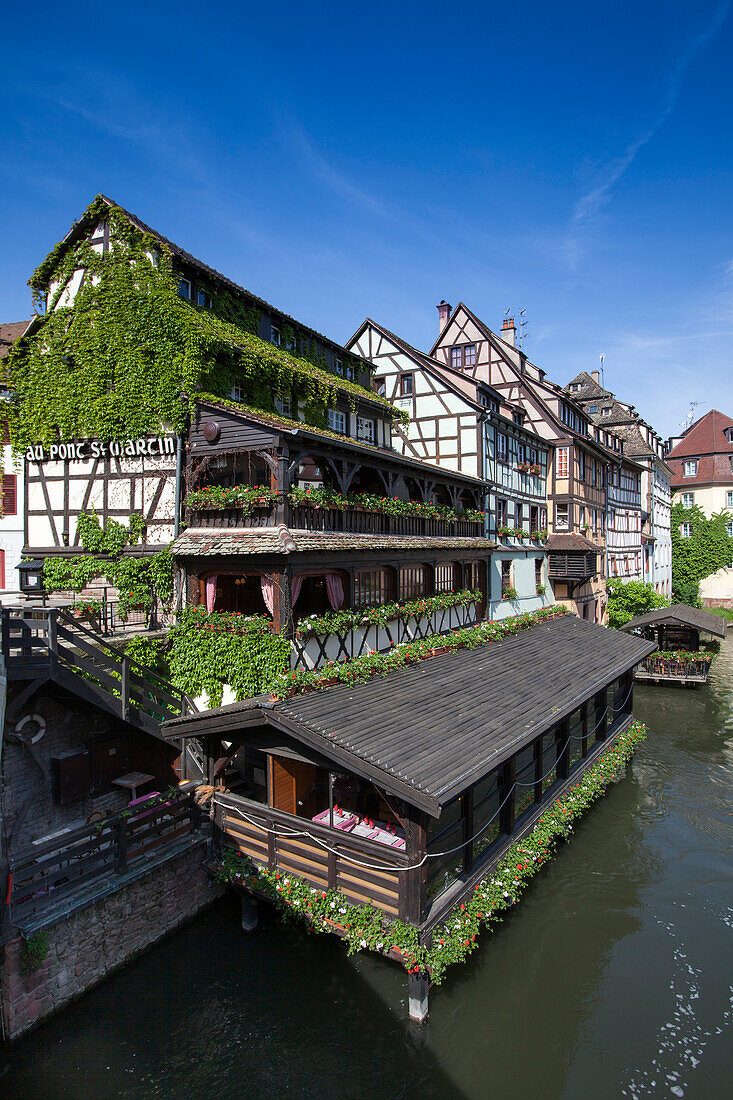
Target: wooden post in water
[[249, 912], [418, 988]]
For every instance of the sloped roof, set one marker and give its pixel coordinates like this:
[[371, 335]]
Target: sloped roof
[[10, 331], [563, 543], [590, 388], [431, 729], [682, 614], [202, 542], [705, 437]]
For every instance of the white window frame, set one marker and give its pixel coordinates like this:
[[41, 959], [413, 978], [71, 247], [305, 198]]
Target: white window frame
[[688, 499], [338, 366], [562, 517], [275, 336], [337, 421], [729, 498], [181, 283], [501, 447], [690, 469], [686, 530], [563, 463], [237, 392], [283, 405], [366, 430]]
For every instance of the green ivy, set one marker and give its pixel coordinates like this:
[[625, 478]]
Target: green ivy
[[707, 550], [116, 363], [337, 622], [110, 539], [34, 951], [366, 928], [209, 649]]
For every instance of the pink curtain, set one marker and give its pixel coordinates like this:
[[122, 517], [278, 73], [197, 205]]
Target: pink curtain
[[335, 590], [267, 585], [295, 588], [210, 592]]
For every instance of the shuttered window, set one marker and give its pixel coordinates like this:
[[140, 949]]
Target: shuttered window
[[10, 495]]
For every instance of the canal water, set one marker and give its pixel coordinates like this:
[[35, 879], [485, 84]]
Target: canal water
[[611, 979]]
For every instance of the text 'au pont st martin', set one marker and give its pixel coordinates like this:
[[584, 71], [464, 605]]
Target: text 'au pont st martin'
[[87, 449]]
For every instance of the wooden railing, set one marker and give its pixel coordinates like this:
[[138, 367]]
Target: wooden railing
[[337, 862], [305, 517], [661, 668], [53, 872], [58, 645]]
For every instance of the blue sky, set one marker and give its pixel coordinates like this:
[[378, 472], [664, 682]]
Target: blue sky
[[346, 160]]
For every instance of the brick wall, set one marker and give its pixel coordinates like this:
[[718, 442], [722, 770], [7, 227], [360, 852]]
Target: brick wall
[[95, 941]]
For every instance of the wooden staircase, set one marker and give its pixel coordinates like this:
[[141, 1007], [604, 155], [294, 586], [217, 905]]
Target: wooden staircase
[[52, 645]]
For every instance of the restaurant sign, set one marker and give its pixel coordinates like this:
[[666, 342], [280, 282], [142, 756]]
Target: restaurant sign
[[86, 449]]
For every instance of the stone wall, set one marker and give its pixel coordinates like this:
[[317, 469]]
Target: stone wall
[[93, 942]]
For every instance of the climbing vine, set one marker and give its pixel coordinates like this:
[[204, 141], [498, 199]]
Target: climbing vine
[[706, 549], [365, 928], [206, 650], [117, 363]]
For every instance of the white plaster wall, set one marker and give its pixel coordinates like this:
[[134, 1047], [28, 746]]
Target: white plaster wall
[[523, 580], [11, 527]]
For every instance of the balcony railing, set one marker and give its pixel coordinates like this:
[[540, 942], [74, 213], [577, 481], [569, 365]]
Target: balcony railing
[[673, 669], [359, 521]]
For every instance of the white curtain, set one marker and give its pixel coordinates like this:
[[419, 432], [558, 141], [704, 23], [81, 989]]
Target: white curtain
[[295, 589]]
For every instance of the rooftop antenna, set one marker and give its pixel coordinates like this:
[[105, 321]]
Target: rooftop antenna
[[690, 415], [603, 377], [523, 326]]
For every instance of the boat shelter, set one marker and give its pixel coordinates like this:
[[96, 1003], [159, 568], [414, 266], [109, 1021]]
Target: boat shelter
[[403, 790], [682, 657]]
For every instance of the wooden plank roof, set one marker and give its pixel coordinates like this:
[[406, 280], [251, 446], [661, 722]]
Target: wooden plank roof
[[431, 729], [217, 541], [683, 615]]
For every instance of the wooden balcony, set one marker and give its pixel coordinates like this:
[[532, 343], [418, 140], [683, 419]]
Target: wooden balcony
[[572, 566], [359, 521]]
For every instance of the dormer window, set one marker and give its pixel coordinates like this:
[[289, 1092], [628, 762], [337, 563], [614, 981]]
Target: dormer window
[[338, 366], [203, 299], [275, 337], [282, 405], [405, 385], [184, 288], [691, 467], [381, 387], [593, 409], [729, 434], [349, 373], [518, 418], [606, 410]]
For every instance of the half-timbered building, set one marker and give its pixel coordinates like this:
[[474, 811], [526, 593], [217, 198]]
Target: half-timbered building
[[462, 423], [11, 514], [580, 454]]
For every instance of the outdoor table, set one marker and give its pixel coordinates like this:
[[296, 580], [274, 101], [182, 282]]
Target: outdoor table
[[132, 781]]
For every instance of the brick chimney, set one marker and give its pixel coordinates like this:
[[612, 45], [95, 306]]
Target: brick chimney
[[508, 331], [596, 376], [444, 311]]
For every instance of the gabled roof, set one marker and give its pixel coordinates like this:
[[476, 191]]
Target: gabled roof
[[590, 388], [568, 543], [429, 730], [81, 227], [10, 331], [683, 615], [705, 437]]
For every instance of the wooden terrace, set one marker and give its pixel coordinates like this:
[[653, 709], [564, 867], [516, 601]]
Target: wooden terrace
[[684, 657]]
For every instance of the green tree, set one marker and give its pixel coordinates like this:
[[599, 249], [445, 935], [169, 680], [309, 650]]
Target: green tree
[[627, 599], [706, 547]]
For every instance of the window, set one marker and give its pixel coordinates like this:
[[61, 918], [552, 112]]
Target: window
[[729, 529], [593, 410], [518, 418], [10, 495], [728, 499], [686, 530], [501, 447], [562, 461], [464, 356], [606, 410], [238, 392], [581, 466], [501, 513], [562, 517], [371, 588], [538, 574], [203, 299], [688, 499], [486, 401], [518, 516], [282, 405], [691, 467], [184, 288], [275, 337], [405, 385], [413, 581], [445, 577], [381, 387], [337, 421], [581, 517], [521, 454], [338, 366], [506, 576], [364, 430], [349, 373]]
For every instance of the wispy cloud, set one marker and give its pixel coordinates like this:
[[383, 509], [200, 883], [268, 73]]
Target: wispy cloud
[[592, 201], [335, 181]]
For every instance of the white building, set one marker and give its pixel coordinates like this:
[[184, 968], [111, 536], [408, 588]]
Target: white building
[[464, 424], [11, 519]]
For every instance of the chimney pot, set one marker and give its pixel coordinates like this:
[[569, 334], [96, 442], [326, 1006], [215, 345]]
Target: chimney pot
[[508, 331], [444, 311]]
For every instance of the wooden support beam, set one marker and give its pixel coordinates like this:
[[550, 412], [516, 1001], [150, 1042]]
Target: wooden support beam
[[418, 988]]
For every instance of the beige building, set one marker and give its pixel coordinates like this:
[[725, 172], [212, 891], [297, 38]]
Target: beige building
[[701, 460]]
